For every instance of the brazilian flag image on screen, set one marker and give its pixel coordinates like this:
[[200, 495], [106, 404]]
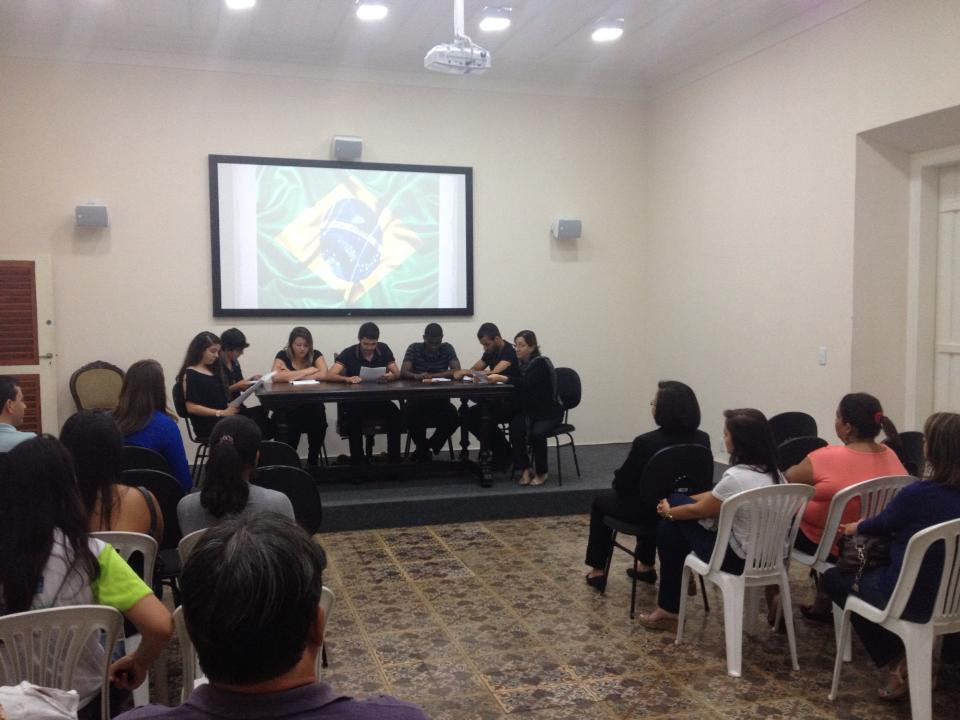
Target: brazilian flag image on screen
[[351, 239]]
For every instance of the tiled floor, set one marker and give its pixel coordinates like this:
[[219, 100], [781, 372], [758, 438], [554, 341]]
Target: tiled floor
[[493, 620]]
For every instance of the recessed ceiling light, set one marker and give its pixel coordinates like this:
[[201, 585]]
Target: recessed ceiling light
[[495, 18], [371, 10], [240, 4], [607, 29]]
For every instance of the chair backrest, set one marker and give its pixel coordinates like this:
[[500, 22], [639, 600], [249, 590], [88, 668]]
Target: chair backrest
[[913, 458], [569, 389], [44, 646], [192, 673], [274, 452], [946, 608], [128, 543], [168, 492], [187, 543], [686, 469], [140, 458], [871, 497], [793, 451], [792, 424], [180, 406], [774, 513], [297, 485], [96, 386]]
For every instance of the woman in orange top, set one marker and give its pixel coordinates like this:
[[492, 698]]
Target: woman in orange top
[[835, 467]]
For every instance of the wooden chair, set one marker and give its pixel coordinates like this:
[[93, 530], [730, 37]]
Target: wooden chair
[[96, 386]]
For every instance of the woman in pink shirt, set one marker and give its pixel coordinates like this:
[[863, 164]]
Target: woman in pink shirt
[[835, 467]]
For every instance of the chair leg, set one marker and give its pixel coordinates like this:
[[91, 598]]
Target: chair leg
[[633, 595], [323, 656], [576, 463], [606, 569], [786, 610], [559, 471], [733, 598], [450, 447], [703, 591], [406, 448], [919, 647], [682, 612], [842, 635], [847, 644]]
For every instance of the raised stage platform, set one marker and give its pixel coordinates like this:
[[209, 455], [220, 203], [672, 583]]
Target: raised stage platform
[[444, 496]]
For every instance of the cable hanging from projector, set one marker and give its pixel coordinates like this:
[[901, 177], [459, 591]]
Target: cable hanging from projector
[[460, 57]]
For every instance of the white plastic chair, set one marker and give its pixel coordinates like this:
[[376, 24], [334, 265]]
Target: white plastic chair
[[44, 646], [126, 544], [774, 515], [187, 543], [193, 674], [918, 638], [874, 495]]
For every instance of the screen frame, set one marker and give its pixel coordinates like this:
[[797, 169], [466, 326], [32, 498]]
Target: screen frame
[[213, 162]]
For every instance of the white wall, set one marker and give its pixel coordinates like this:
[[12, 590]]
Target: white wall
[[750, 206], [137, 139]]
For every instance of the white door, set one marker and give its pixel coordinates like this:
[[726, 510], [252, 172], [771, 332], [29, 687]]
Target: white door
[[27, 331], [946, 367]]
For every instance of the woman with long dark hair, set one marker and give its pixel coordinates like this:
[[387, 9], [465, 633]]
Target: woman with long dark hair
[[144, 419], [226, 490], [96, 446], [676, 413], [202, 384], [930, 501], [47, 559], [298, 360], [753, 464], [830, 469], [539, 410]]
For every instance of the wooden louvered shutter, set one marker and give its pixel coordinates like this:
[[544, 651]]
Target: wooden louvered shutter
[[18, 315]]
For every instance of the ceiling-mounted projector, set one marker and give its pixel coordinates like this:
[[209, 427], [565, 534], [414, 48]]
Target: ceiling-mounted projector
[[460, 57]]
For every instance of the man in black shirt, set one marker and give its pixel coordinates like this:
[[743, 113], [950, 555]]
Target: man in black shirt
[[432, 358], [369, 352], [498, 357]]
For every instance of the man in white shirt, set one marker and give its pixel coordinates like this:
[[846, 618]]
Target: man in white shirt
[[12, 409]]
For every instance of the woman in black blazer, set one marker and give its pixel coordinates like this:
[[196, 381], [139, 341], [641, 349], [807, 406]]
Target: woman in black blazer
[[677, 413]]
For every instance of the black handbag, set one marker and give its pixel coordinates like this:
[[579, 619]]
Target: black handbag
[[859, 553]]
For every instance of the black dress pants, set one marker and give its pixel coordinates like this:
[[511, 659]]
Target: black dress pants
[[312, 420], [383, 413], [423, 414], [600, 541], [501, 411]]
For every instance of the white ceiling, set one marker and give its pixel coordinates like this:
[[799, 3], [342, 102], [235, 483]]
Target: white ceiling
[[548, 44]]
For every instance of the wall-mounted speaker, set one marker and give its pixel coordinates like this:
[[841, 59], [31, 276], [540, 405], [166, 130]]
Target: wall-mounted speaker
[[346, 147], [92, 215], [566, 229]]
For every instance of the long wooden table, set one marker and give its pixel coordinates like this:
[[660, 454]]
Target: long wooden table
[[283, 396]]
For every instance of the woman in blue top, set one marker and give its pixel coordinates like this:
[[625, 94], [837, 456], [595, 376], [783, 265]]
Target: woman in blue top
[[927, 502], [144, 419]]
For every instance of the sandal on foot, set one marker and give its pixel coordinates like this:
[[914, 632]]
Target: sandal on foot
[[660, 624], [525, 478], [538, 479], [895, 687]]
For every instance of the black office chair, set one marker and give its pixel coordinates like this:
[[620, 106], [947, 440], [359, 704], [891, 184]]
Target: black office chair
[[274, 452], [168, 493], [135, 457], [203, 443], [297, 485], [686, 469], [794, 450], [792, 424], [569, 392], [912, 454]]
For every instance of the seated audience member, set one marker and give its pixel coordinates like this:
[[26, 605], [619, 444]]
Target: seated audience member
[[96, 446], [12, 408], [226, 489], [202, 384], [432, 358], [47, 559], [371, 353], [251, 591], [835, 467], [232, 344], [677, 414], [927, 502], [299, 361], [753, 464], [145, 420], [500, 358], [538, 410]]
